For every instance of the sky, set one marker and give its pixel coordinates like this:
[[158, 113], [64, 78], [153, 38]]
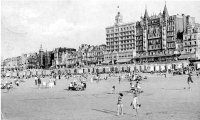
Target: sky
[[26, 24]]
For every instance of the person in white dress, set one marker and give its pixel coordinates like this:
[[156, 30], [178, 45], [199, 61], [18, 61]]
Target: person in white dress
[[134, 103]]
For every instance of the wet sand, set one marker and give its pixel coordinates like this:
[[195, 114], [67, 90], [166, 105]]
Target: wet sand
[[163, 99]]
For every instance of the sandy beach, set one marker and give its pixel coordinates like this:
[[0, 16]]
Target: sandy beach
[[162, 99]]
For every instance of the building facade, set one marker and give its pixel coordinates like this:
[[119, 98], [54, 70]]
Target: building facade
[[120, 41], [57, 61], [12, 64], [157, 37], [100, 49], [191, 41]]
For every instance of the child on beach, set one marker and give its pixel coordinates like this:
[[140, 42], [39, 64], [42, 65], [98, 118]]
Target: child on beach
[[135, 102], [119, 79], [39, 82], [189, 80], [120, 104], [137, 87], [113, 89], [36, 80]]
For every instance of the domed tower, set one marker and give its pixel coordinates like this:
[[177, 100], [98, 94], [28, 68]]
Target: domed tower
[[118, 18]]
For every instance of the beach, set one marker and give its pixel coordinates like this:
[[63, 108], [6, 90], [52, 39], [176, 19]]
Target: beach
[[162, 99]]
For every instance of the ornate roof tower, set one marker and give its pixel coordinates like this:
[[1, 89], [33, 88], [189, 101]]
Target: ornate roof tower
[[146, 16], [165, 11], [118, 18]]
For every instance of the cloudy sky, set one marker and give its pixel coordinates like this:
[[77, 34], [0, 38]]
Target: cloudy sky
[[25, 24]]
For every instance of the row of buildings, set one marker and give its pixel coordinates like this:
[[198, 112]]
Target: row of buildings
[[57, 58], [155, 38]]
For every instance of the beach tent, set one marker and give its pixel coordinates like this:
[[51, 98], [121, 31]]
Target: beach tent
[[120, 68], [162, 67], [132, 68], [96, 70], [28, 73], [137, 67], [116, 69], [142, 67], [107, 69], [24, 73], [150, 68], [128, 68], [125, 68], [80, 71], [178, 65], [43, 72], [34, 72], [91, 70], [86, 70], [39, 72], [100, 69], [48, 72], [198, 65], [185, 64], [157, 68], [169, 66], [72, 71]]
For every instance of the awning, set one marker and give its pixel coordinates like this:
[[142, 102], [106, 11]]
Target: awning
[[106, 62], [123, 60], [187, 56], [138, 57]]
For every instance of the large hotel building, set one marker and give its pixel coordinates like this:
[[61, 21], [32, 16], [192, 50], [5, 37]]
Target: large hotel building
[[120, 41], [155, 38]]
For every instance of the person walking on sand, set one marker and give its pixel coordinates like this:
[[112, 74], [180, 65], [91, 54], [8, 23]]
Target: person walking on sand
[[113, 89], [36, 80], [39, 82], [120, 104], [135, 104], [119, 79], [189, 80]]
